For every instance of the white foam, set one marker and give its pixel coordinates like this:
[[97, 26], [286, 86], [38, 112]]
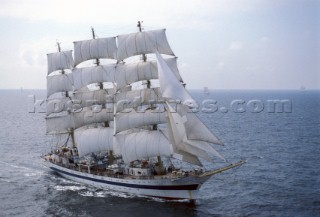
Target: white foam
[[69, 188]]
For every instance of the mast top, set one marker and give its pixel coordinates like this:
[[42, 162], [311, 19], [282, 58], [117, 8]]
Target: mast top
[[62, 70], [139, 25], [94, 37], [93, 34], [58, 44]]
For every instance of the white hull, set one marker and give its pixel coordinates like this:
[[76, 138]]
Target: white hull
[[164, 188]]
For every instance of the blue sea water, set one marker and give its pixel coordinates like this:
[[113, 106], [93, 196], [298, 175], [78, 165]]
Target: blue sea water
[[281, 176]]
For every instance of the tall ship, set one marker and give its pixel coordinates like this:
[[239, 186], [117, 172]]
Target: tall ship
[[122, 119], [206, 91]]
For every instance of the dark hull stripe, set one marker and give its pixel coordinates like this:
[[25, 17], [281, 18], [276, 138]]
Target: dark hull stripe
[[153, 187]]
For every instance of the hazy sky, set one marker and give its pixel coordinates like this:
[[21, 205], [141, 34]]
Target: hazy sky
[[222, 44]]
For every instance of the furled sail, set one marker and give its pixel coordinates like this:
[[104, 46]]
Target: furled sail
[[143, 145], [170, 87], [142, 43], [94, 49], [95, 74], [129, 120], [59, 61], [59, 83], [94, 140]]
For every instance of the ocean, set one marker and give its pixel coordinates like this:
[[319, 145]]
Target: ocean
[[276, 132]]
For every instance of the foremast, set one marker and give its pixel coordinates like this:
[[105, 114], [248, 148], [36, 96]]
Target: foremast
[[85, 113], [95, 135], [59, 83]]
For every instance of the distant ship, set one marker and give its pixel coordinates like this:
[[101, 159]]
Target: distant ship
[[123, 122], [206, 90]]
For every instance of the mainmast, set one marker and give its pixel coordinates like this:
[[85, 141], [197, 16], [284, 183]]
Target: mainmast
[[100, 84], [144, 58], [154, 126]]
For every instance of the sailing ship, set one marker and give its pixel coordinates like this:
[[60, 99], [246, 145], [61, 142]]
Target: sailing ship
[[122, 117], [206, 90]]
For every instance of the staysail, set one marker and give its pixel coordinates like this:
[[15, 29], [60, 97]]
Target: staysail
[[179, 137], [170, 87]]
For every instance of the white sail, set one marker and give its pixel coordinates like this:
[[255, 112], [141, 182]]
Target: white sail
[[59, 61], [59, 83], [129, 120], [186, 156], [202, 148], [59, 124], [59, 105], [94, 140], [130, 73], [179, 136], [196, 130], [96, 74], [142, 43], [170, 87], [143, 145], [178, 153], [77, 119], [88, 116], [134, 98], [96, 97], [172, 63], [94, 49]]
